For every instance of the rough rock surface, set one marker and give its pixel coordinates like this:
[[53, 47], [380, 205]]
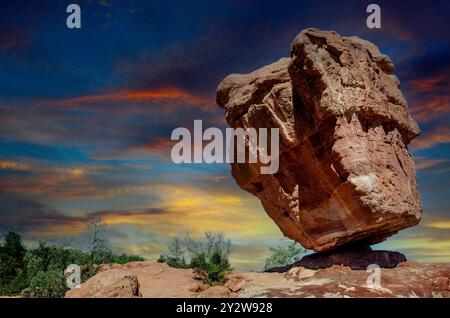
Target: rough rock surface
[[114, 283], [408, 279], [345, 172]]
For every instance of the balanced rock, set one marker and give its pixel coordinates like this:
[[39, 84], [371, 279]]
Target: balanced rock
[[345, 172]]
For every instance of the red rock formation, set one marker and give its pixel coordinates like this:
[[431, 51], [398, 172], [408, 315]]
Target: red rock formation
[[152, 279], [110, 283], [345, 171]]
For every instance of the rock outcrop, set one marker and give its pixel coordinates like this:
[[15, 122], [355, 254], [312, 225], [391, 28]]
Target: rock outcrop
[[345, 172], [114, 283]]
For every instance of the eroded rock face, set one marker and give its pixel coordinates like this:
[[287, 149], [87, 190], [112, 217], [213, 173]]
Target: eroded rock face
[[345, 171]]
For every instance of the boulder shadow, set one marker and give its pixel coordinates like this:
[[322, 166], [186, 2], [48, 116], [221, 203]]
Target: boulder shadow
[[355, 258]]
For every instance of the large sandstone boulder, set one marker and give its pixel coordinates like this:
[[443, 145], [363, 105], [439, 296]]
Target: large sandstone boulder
[[345, 172], [114, 283]]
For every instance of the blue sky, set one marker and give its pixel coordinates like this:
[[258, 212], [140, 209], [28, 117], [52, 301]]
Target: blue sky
[[86, 115]]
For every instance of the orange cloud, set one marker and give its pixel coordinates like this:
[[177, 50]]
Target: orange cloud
[[179, 209], [53, 182], [424, 163], [434, 91], [13, 40], [432, 138], [161, 146], [169, 94], [430, 84], [435, 107], [442, 224], [11, 165]]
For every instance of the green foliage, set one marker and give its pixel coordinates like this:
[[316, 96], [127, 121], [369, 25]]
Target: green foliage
[[175, 255], [282, 256], [47, 284], [124, 259], [208, 257], [212, 242], [45, 266], [39, 272], [211, 269], [12, 269]]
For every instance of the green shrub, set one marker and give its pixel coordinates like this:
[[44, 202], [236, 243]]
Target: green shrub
[[282, 256], [208, 257], [13, 276], [124, 259], [49, 284], [175, 256], [211, 269]]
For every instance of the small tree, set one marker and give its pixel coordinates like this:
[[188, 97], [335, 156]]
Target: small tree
[[213, 242], [97, 242], [209, 258], [211, 269], [282, 256], [95, 233], [175, 255]]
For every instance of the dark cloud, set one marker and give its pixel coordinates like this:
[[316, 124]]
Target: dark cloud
[[26, 215]]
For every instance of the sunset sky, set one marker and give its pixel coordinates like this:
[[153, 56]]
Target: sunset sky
[[86, 115]]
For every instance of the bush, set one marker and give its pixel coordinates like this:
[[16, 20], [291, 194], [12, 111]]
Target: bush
[[213, 242], [15, 285], [282, 256], [49, 284], [211, 269], [124, 259], [13, 276], [208, 257], [175, 255]]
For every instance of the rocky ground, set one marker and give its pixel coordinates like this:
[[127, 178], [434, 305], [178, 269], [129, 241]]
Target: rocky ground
[[152, 279]]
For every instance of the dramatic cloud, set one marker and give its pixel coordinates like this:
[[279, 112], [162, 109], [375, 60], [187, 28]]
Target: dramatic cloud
[[14, 166], [439, 224], [175, 96], [434, 107], [436, 83], [424, 163], [430, 96], [432, 138]]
